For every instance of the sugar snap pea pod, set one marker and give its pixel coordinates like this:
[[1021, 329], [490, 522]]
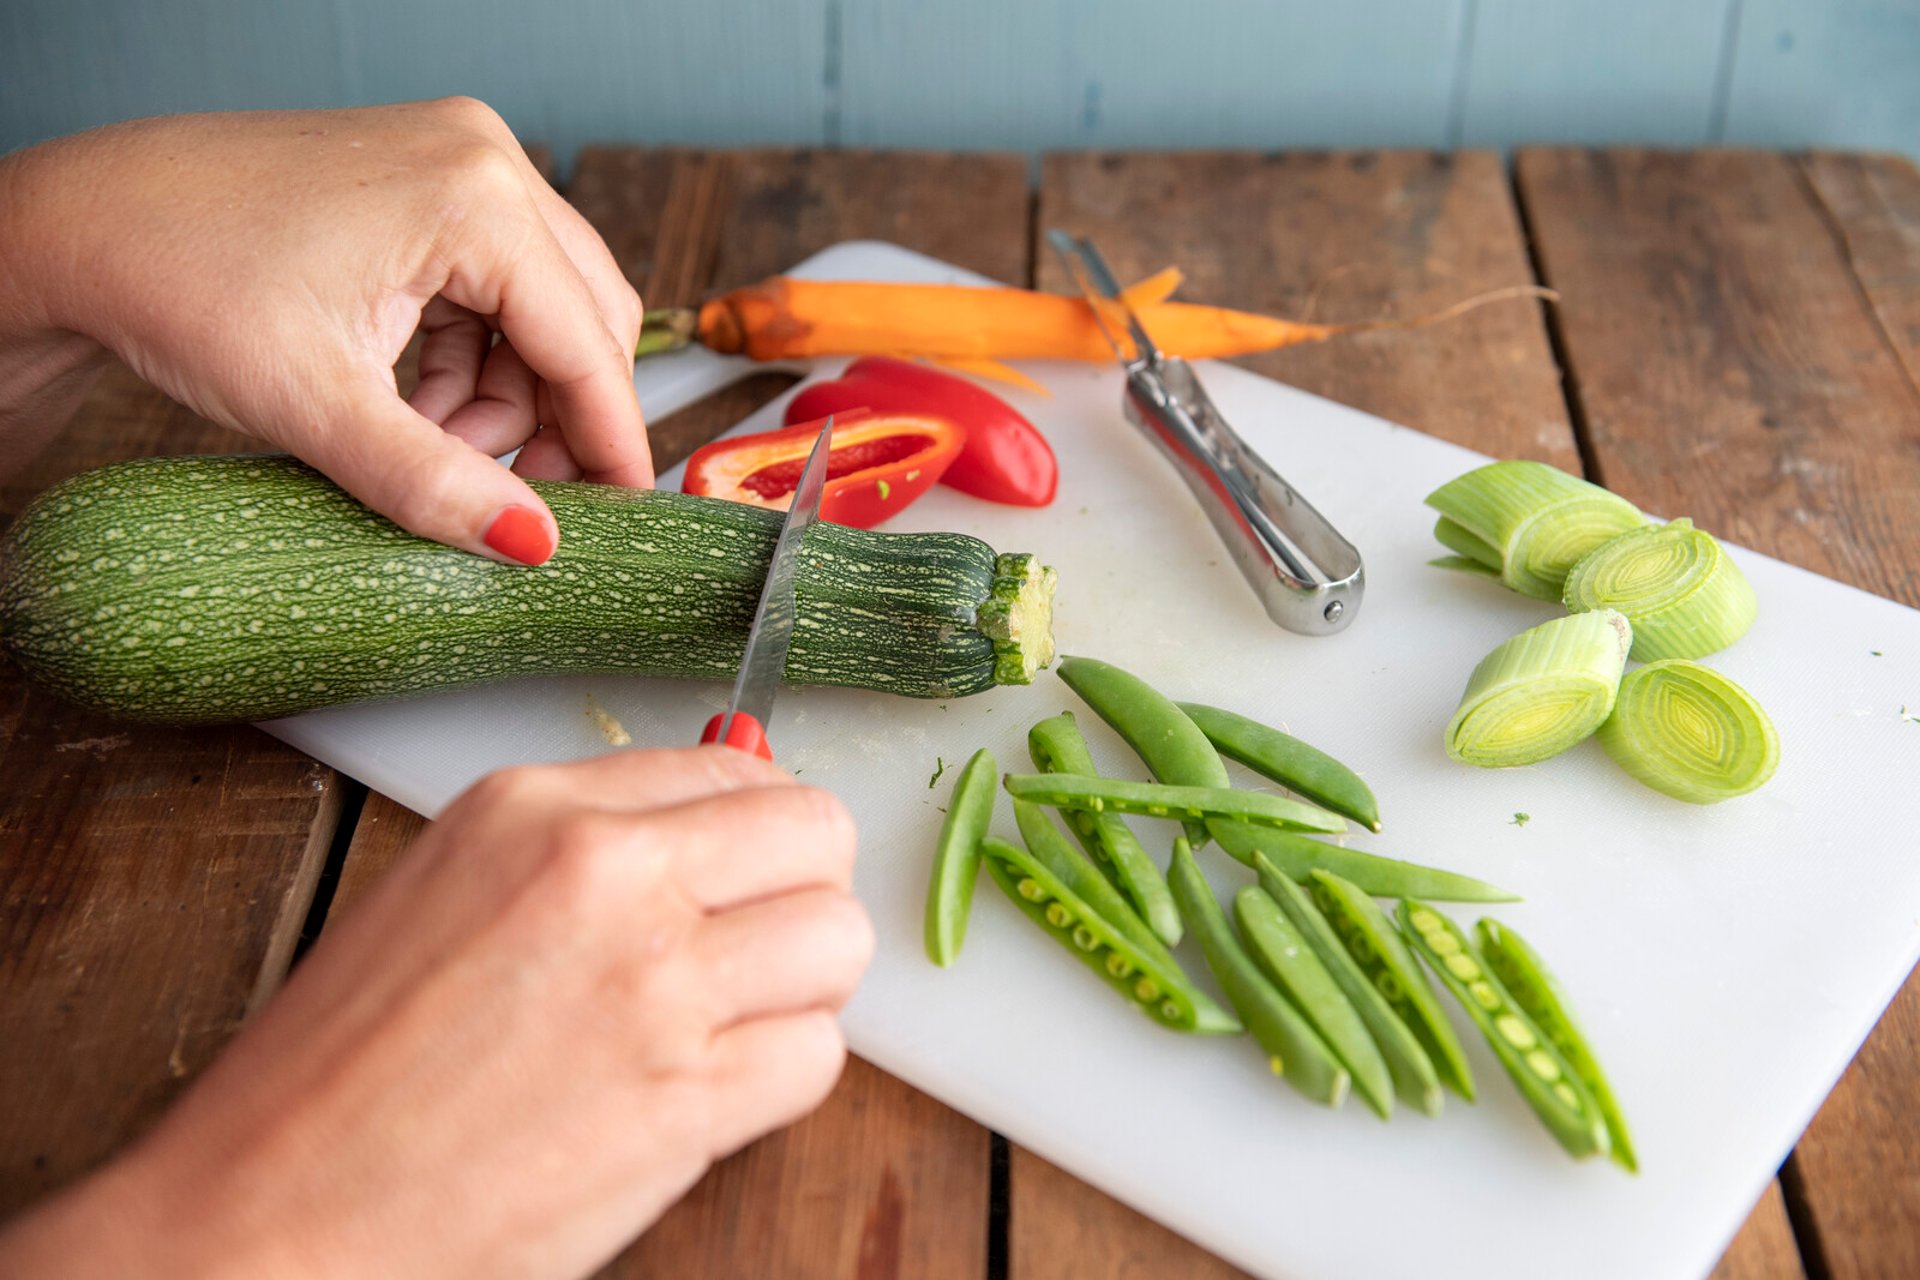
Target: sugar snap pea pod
[[1285, 957], [1299, 856], [1171, 745], [1057, 747], [1375, 945], [1158, 800], [1540, 996], [1082, 878], [1159, 989], [1301, 768], [1546, 1080], [956, 859], [1412, 1070], [1294, 1049]]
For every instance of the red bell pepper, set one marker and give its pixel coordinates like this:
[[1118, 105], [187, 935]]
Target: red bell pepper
[[877, 464], [1006, 459]]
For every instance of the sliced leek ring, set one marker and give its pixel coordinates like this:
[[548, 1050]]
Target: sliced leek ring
[[1528, 523], [1690, 732], [1541, 692], [1681, 590]]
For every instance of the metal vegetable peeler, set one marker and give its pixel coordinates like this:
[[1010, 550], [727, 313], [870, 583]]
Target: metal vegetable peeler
[[1308, 576]]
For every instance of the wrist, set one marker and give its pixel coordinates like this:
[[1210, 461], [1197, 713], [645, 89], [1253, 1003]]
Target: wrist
[[134, 1217]]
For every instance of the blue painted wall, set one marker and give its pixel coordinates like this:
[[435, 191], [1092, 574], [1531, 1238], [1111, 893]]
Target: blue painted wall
[[1021, 74]]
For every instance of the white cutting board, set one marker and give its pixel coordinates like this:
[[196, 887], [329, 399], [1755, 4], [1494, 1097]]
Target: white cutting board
[[1727, 960]]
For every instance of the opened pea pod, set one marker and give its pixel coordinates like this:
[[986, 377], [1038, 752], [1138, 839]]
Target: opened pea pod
[[1157, 987], [1544, 1077], [1057, 746], [1157, 800]]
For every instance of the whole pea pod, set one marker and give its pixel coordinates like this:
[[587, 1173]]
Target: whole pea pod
[[1171, 745], [1159, 800], [1539, 995], [1299, 856], [1377, 948], [1414, 1078], [956, 858], [1157, 988], [1056, 746], [1545, 1079], [1284, 956], [1300, 767], [1294, 1049]]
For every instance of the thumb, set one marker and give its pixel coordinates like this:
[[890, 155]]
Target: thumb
[[430, 483]]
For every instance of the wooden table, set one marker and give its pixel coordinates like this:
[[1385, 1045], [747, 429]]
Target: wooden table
[[1738, 338]]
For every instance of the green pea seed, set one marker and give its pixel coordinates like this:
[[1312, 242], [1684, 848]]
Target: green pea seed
[[1444, 944], [1058, 916], [1514, 1031], [1117, 965], [1032, 892], [1083, 938], [1428, 922], [1147, 989], [1460, 966], [1484, 994], [1543, 1065]]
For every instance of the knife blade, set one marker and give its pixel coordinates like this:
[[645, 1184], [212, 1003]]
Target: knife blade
[[743, 725]]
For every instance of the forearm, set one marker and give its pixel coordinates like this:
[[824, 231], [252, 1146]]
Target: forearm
[[46, 369]]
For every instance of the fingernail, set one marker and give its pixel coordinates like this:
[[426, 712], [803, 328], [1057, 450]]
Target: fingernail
[[519, 533]]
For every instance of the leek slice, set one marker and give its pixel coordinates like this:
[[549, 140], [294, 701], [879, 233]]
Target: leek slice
[[1542, 691], [1690, 732], [1528, 523], [1681, 590]]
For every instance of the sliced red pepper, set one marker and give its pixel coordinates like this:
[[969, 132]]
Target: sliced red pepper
[[1006, 458], [877, 464]]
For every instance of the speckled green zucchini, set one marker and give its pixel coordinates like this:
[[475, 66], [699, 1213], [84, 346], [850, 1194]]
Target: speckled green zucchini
[[206, 589]]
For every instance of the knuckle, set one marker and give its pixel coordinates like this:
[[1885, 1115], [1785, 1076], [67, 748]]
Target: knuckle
[[501, 789], [819, 1052], [469, 111]]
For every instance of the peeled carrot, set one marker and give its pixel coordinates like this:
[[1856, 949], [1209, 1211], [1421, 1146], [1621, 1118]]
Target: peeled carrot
[[784, 318]]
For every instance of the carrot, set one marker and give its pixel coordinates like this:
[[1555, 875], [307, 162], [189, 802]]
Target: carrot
[[783, 318]]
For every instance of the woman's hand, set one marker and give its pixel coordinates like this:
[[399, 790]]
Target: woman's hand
[[268, 268], [584, 983]]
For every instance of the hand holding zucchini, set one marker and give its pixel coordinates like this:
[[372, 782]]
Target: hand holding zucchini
[[202, 589]]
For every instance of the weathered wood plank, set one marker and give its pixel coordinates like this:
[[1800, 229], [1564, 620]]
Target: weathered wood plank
[[1324, 236], [1873, 203], [1707, 291], [153, 882], [1059, 1228], [1765, 1248]]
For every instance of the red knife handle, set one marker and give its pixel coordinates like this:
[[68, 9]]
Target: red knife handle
[[744, 734]]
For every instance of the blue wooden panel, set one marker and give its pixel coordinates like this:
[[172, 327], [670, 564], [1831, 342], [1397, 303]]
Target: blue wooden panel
[[71, 64], [1836, 73], [1147, 73], [722, 72], [1593, 71], [1028, 74]]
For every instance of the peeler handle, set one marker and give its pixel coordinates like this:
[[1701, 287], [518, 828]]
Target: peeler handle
[[1308, 577]]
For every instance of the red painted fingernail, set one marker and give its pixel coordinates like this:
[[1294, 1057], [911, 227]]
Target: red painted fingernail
[[520, 534]]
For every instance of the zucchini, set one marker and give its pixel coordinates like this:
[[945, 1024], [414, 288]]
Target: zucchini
[[202, 589]]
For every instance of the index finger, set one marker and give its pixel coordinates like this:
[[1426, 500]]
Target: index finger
[[516, 270]]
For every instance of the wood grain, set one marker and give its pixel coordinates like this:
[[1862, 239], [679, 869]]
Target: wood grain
[[153, 882], [1059, 1228], [1765, 1248], [1729, 365], [1334, 237], [1873, 203]]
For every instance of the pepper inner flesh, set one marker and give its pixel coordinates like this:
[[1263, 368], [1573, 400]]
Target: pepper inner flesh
[[778, 479]]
